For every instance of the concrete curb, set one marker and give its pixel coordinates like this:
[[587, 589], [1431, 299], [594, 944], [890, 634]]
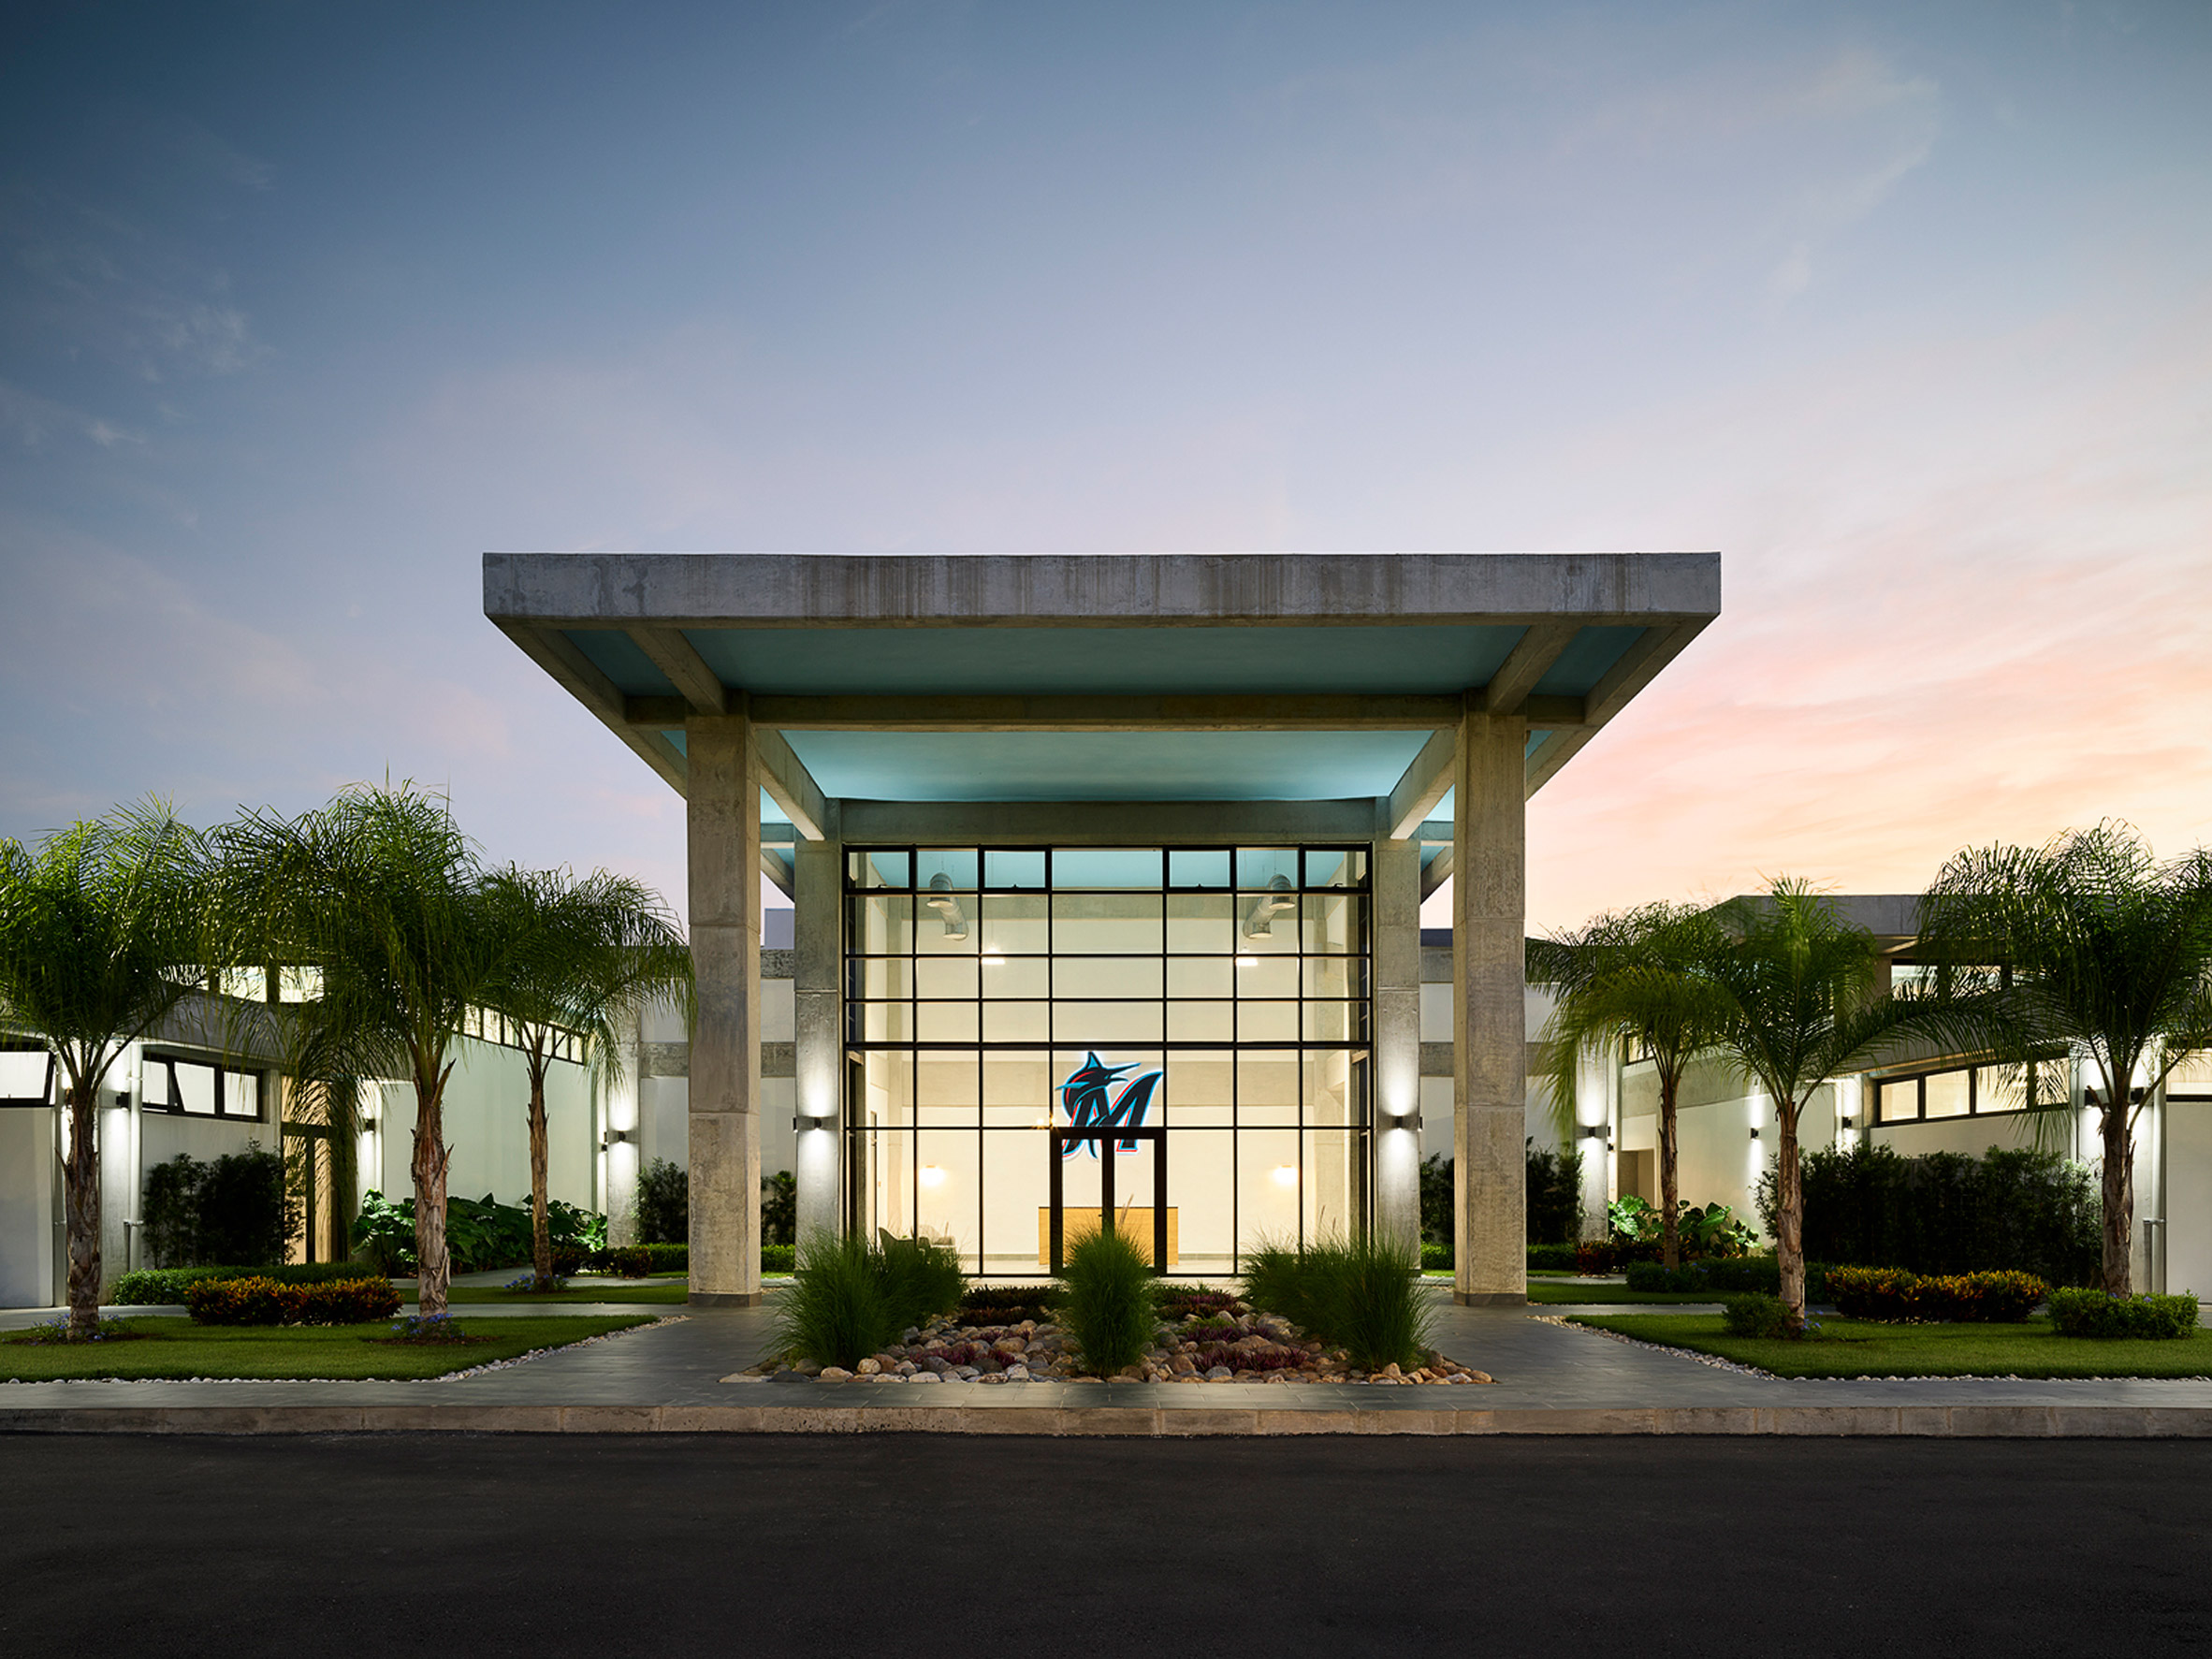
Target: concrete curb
[[2022, 1422]]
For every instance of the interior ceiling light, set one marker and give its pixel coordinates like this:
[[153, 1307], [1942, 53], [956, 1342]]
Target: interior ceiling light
[[941, 899], [1260, 921], [932, 1175]]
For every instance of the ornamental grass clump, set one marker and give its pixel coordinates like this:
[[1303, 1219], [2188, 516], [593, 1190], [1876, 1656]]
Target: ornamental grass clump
[[1361, 1294], [851, 1297], [834, 1311], [1108, 1300]]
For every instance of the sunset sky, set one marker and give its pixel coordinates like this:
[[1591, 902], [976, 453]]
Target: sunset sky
[[1907, 310]]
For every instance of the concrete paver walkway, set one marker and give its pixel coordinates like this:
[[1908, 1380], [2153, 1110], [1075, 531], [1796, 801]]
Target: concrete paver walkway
[[1551, 1380]]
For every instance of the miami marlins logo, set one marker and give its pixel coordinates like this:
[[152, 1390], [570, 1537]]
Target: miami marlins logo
[[1084, 1099]]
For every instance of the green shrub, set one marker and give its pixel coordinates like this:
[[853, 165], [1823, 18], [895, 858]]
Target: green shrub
[[160, 1287], [2097, 1314], [1437, 1259], [779, 1208], [480, 1233], [1553, 1194], [1008, 1304], [632, 1261], [1437, 1199], [1361, 1295], [1892, 1294], [664, 1205], [1723, 1275], [1754, 1313], [1595, 1257], [669, 1258], [233, 1208], [1107, 1300], [1946, 1213], [776, 1259], [1546, 1259], [834, 1311], [261, 1301]]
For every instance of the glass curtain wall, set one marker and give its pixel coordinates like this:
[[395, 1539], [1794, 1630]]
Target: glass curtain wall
[[1220, 993]]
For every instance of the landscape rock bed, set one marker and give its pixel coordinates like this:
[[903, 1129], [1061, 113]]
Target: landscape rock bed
[[1234, 1346]]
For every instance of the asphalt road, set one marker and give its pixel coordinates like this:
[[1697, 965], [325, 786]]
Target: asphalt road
[[941, 1545]]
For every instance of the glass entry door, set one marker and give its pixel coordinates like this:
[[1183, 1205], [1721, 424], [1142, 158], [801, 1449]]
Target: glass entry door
[[1119, 1198]]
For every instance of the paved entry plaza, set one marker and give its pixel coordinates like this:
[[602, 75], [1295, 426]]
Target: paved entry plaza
[[676, 1377]]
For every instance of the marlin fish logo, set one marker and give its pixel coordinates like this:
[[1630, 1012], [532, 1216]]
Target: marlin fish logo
[[1084, 1099]]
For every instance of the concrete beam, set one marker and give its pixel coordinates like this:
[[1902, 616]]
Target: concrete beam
[[780, 875], [1415, 794], [789, 785], [699, 686], [1331, 712], [726, 589], [551, 650], [1530, 661], [1637, 667], [1436, 873], [1543, 763], [1140, 823]]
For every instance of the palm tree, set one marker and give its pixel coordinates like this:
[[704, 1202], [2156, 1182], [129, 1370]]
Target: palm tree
[[380, 896], [100, 939], [1806, 1001], [583, 956], [1637, 976], [2090, 943]]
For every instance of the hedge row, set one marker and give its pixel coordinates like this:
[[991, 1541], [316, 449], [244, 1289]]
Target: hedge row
[[266, 1302], [1895, 1295], [1724, 1276], [160, 1287], [2095, 1313]]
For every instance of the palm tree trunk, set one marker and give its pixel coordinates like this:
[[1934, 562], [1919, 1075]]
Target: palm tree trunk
[[81, 1183], [541, 1232], [2120, 1196], [1670, 1231], [1789, 1219], [433, 1262]]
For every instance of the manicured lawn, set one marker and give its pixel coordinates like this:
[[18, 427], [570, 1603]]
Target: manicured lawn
[[1582, 1291], [1858, 1347], [175, 1346], [642, 1290]]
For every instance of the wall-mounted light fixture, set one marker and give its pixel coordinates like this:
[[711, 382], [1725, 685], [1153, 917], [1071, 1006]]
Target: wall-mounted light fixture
[[941, 899], [614, 1137], [932, 1175], [1593, 1131], [1286, 1174], [1754, 1131], [123, 1100]]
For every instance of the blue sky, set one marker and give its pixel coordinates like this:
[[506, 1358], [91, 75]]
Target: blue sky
[[1907, 310]]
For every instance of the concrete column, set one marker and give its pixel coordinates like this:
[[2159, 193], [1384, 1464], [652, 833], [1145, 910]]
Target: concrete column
[[818, 898], [1395, 874], [1490, 1016], [724, 834]]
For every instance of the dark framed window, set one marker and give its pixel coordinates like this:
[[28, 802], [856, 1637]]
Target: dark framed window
[[1224, 990], [183, 1086], [1969, 1091], [26, 1074]]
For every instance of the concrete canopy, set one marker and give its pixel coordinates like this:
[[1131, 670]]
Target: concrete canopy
[[1104, 677]]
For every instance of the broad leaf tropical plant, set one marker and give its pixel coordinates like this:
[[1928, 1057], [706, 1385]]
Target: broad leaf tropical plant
[[1637, 977], [101, 936], [2088, 943], [584, 954], [381, 896]]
